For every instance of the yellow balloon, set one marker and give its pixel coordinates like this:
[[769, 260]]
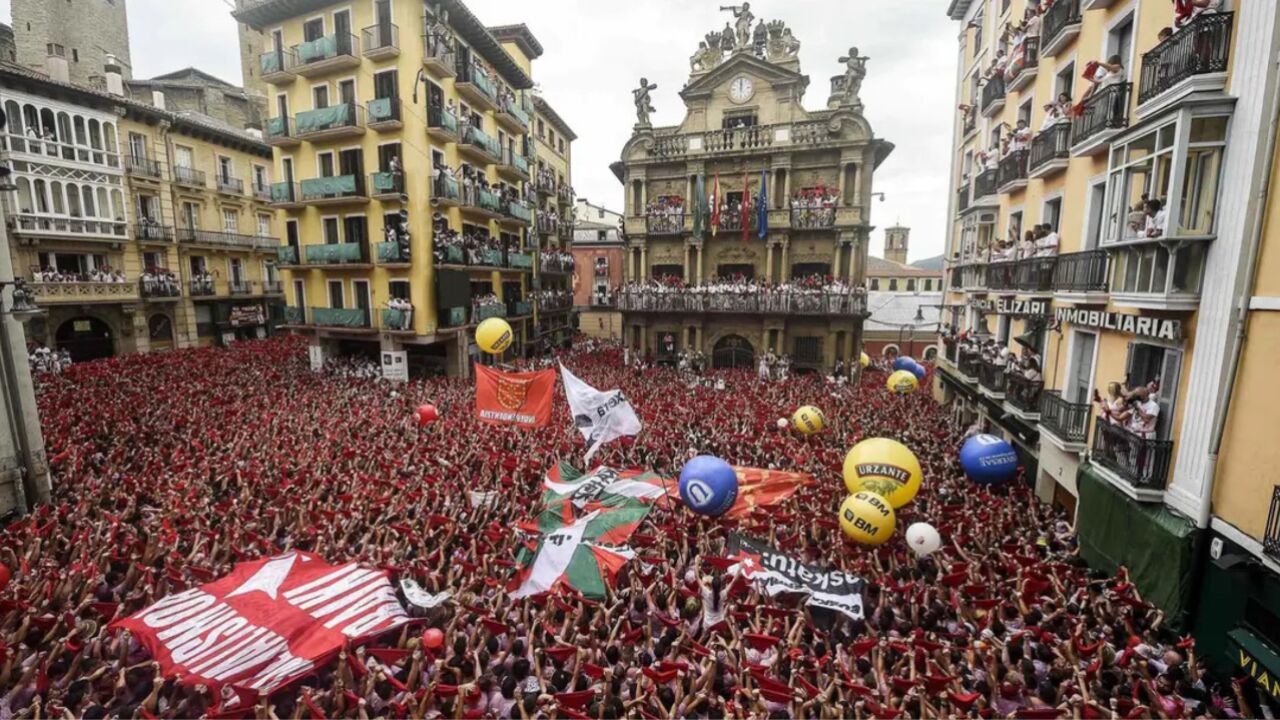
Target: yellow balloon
[[494, 336], [865, 360], [809, 420], [885, 467], [903, 382], [867, 518]]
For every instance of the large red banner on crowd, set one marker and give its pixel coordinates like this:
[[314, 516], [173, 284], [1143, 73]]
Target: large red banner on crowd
[[514, 398], [269, 622], [758, 488]]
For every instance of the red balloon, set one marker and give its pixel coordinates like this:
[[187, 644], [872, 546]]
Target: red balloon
[[427, 414], [4, 577], [433, 638]]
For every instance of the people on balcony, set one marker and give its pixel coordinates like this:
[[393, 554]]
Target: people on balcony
[[1101, 75], [159, 282], [545, 179], [814, 207], [1046, 243], [1056, 112], [406, 312], [473, 244], [1184, 11], [557, 261], [103, 274], [483, 302], [665, 213], [553, 299], [1137, 410], [1156, 218], [742, 293], [397, 231]]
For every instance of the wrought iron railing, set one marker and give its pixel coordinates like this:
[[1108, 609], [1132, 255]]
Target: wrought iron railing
[[992, 377], [150, 232], [1067, 420], [1013, 167], [1000, 275], [1022, 393], [201, 288], [1081, 272], [1051, 144], [1141, 462], [188, 176], [137, 165], [380, 37], [969, 364], [758, 302], [1271, 535], [992, 92], [230, 185], [1035, 274], [962, 198], [221, 237], [661, 223], [1060, 15], [1106, 109], [1199, 47], [985, 183]]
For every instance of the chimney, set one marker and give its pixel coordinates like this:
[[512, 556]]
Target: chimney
[[157, 99], [56, 64], [115, 76]]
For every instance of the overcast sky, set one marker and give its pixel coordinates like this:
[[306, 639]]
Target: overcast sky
[[596, 51]]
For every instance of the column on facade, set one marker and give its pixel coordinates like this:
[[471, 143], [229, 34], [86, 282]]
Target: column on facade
[[700, 249], [835, 264], [644, 261], [768, 262], [786, 190], [685, 263], [843, 171], [495, 279], [784, 263], [853, 255]]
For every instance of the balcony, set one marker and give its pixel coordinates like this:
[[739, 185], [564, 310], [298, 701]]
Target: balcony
[[1158, 276], [151, 233], [223, 239], [353, 318], [380, 42], [327, 54], [969, 366], [984, 188], [272, 287], [555, 305], [442, 124], [970, 124], [852, 304], [477, 145], [481, 202], [333, 190], [395, 320], [189, 177], [445, 192], [664, 223], [280, 132], [295, 316], [758, 139], [973, 277], [1050, 151], [30, 225], [515, 212], [822, 218], [1066, 422], [392, 253], [755, 137], [73, 293], [1012, 174], [480, 313], [262, 191], [1022, 396], [461, 257], [732, 221], [511, 116], [330, 123], [1081, 277], [287, 256], [513, 165], [519, 308], [476, 87], [1194, 59], [1023, 70], [993, 96], [1000, 276], [242, 287], [438, 53], [1138, 466], [159, 290], [142, 167], [991, 380], [285, 195], [384, 114], [962, 198], [387, 185], [1061, 26], [201, 288], [565, 195], [336, 255], [228, 185], [1034, 275], [1106, 113], [276, 66]]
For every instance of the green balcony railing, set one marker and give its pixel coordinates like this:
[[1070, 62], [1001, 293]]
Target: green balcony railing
[[512, 108], [329, 118], [389, 252], [453, 317], [522, 308], [340, 317], [491, 258], [471, 74], [479, 138], [278, 127], [324, 188], [326, 48], [274, 61], [440, 117], [386, 183], [295, 316], [519, 211], [287, 255], [520, 261], [520, 163], [392, 319], [334, 254], [453, 255], [488, 201], [284, 192], [384, 110], [444, 188], [484, 312]]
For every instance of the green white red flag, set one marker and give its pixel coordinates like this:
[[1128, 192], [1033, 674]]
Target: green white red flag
[[571, 556]]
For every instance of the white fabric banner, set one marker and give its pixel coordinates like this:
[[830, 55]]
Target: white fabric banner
[[554, 557], [601, 416]]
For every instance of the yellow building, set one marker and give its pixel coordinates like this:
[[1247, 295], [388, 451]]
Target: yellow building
[[552, 182], [1097, 227], [136, 228], [400, 131], [791, 189]]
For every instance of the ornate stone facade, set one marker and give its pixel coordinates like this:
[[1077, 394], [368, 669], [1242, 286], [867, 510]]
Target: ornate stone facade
[[746, 134]]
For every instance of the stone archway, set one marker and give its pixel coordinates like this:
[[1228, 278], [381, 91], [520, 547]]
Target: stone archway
[[85, 338], [733, 351]]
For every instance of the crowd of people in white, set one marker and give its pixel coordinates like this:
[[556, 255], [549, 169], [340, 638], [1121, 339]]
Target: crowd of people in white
[[815, 293], [45, 360], [104, 274], [813, 207]]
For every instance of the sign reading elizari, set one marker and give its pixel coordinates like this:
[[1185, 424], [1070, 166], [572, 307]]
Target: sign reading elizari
[[1010, 306], [1159, 328]]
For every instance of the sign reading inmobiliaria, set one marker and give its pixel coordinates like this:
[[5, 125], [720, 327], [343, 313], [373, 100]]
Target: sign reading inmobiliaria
[[269, 622]]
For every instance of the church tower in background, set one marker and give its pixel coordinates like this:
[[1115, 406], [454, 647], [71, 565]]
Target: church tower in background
[[895, 244], [70, 41]]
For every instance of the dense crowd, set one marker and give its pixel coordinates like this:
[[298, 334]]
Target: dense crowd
[[815, 293], [45, 360], [665, 214], [104, 274], [813, 207], [251, 454]]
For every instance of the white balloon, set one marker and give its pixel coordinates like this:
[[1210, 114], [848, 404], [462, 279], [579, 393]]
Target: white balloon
[[782, 423], [923, 539]]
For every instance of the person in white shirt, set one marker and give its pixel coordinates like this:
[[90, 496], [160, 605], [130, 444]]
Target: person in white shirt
[[1156, 218], [1047, 244], [1146, 413]]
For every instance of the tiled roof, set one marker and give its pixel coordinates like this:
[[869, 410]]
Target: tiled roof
[[522, 36], [879, 267], [894, 310]]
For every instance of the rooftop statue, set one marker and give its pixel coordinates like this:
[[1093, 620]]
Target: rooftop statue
[[855, 70], [743, 18], [643, 107]]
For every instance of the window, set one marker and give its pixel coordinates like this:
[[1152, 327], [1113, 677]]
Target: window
[[1014, 232], [236, 270], [1052, 213], [893, 284], [560, 144], [1024, 111], [385, 84], [183, 157], [1079, 387], [1120, 42], [313, 29], [541, 129], [1155, 363], [153, 260], [335, 294], [385, 154], [1064, 81], [355, 229], [398, 289], [809, 350], [299, 294], [226, 170], [346, 91], [259, 177], [332, 234], [230, 220], [191, 216], [324, 162], [137, 147], [1004, 328], [1200, 176], [978, 22], [911, 285], [360, 293], [1140, 170], [1096, 205], [320, 96], [264, 224]]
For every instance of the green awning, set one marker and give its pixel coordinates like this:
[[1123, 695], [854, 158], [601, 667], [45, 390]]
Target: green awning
[[1259, 659]]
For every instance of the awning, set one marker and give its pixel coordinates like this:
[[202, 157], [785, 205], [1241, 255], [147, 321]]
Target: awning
[[1256, 657]]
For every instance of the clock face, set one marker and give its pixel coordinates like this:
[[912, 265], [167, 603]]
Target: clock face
[[741, 89]]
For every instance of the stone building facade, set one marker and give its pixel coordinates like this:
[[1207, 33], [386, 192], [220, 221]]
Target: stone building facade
[[746, 125], [83, 33]]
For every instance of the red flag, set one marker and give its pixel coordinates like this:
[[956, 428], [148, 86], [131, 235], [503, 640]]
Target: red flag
[[516, 398], [715, 207], [746, 206]]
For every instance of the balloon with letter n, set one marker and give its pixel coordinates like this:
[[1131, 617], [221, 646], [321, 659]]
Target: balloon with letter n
[[494, 336], [988, 459], [708, 485], [867, 518]]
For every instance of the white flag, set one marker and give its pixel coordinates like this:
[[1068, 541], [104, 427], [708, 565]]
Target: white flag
[[600, 416]]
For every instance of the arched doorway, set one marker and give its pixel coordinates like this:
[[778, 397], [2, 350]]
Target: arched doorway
[[160, 330], [86, 338], [733, 351]]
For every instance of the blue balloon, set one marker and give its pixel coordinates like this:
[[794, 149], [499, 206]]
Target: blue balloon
[[903, 362], [708, 485], [918, 370], [988, 459]]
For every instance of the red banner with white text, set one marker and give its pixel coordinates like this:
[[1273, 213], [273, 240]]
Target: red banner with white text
[[269, 622], [514, 398]]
